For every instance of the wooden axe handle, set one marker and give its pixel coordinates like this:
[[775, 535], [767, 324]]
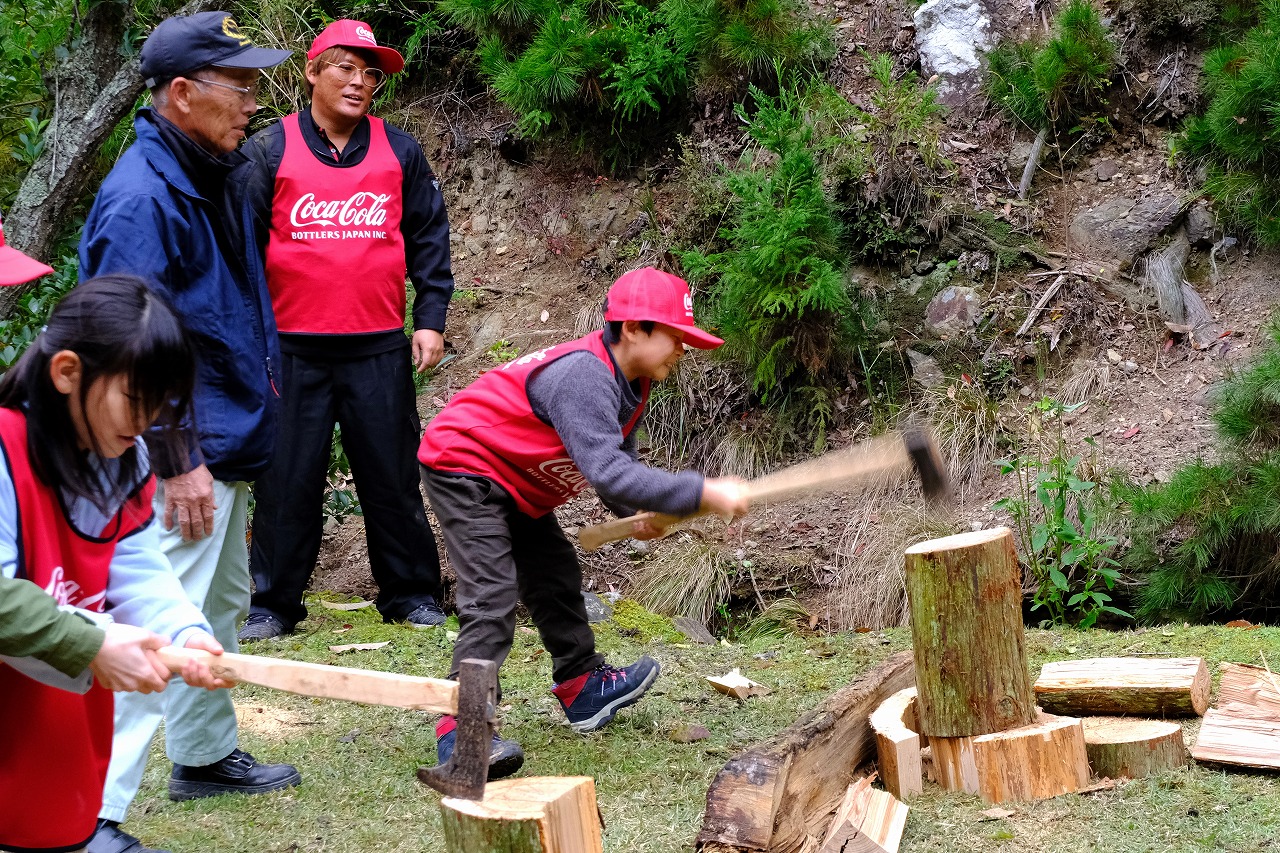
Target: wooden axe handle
[[326, 682], [885, 456]]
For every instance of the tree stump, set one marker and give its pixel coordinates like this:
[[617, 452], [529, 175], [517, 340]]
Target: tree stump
[[1140, 687], [1127, 747], [965, 593], [1027, 763], [550, 814]]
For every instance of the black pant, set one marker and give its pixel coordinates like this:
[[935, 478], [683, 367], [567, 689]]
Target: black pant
[[501, 555], [372, 398]]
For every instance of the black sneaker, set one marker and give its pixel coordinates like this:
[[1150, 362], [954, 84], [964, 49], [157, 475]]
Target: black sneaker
[[592, 699], [238, 773], [261, 626], [110, 838], [505, 756], [427, 615]]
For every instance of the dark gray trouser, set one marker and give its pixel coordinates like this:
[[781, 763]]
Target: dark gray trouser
[[500, 556], [372, 398]]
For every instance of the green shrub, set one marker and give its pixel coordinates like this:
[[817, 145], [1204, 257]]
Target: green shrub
[[1209, 540], [1056, 84], [1235, 138]]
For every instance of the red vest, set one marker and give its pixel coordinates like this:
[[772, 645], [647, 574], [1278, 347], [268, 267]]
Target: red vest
[[335, 257], [489, 429], [55, 745]]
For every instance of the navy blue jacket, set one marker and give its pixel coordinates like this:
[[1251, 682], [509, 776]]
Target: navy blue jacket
[[150, 220]]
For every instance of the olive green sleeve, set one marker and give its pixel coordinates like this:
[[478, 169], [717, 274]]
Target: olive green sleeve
[[31, 625]]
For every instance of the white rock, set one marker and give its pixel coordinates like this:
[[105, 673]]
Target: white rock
[[952, 36]]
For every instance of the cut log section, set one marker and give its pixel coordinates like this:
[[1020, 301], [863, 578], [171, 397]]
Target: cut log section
[[1239, 734], [1254, 686], [1138, 687], [868, 821], [548, 814], [1127, 747], [1027, 763], [779, 796], [965, 593], [898, 744]]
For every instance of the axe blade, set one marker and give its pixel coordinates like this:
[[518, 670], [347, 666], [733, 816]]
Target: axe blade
[[467, 769]]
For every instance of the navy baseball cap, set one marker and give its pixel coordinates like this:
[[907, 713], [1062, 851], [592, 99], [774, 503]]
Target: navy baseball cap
[[186, 43]]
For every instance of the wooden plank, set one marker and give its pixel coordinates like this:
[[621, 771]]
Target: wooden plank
[[898, 744], [1249, 685], [549, 814], [1236, 735], [1140, 687], [804, 769]]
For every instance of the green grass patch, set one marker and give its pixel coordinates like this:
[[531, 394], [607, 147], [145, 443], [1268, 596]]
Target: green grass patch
[[359, 792]]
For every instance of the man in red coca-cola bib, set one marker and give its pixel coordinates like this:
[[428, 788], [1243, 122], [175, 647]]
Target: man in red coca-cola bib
[[344, 206]]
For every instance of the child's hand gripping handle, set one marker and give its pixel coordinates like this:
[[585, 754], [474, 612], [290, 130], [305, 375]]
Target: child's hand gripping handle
[[621, 528]]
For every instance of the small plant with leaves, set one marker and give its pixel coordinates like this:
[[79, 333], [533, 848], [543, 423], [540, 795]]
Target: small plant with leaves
[[1056, 511]]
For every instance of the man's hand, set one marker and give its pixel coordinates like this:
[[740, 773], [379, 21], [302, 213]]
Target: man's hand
[[644, 528], [188, 500], [428, 348], [127, 660], [198, 674], [725, 497]]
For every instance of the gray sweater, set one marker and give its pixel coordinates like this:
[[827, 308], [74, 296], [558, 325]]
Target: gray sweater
[[588, 407]]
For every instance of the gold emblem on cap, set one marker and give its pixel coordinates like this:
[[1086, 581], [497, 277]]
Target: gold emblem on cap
[[231, 29]]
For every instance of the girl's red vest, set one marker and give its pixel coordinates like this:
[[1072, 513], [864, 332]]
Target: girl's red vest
[[489, 429], [55, 745], [335, 255]]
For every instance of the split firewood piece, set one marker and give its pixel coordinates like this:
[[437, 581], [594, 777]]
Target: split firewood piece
[[868, 821], [1249, 685], [965, 593], [1027, 763], [1139, 687], [734, 683], [548, 814], [1238, 734], [1128, 747], [898, 744]]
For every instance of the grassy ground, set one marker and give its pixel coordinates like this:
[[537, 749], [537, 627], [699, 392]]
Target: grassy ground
[[359, 792]]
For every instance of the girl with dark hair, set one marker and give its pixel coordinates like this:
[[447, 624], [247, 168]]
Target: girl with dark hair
[[76, 521]]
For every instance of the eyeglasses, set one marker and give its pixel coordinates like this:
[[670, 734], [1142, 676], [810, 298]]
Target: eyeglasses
[[247, 93], [371, 77]]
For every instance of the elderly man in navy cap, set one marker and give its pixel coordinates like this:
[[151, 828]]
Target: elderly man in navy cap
[[159, 215]]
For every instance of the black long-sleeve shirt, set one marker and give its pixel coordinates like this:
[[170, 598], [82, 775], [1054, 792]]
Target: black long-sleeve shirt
[[424, 224]]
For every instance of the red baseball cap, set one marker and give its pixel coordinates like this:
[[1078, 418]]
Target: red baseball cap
[[356, 34], [650, 294], [17, 268]]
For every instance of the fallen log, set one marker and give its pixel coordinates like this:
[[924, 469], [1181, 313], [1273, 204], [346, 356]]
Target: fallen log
[[867, 821], [1239, 734], [898, 744], [965, 593], [1139, 687], [1027, 763], [779, 795], [1132, 748], [550, 814]]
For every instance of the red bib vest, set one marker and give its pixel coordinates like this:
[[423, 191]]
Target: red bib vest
[[335, 256], [55, 745], [489, 429]]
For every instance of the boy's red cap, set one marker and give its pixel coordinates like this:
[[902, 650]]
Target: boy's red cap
[[650, 294], [357, 34], [17, 268]]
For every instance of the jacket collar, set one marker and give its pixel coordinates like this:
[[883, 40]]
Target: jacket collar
[[175, 156]]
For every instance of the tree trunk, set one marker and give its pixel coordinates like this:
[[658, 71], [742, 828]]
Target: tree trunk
[[1027, 763], [1138, 687], [1123, 747], [966, 626], [93, 88], [549, 814]]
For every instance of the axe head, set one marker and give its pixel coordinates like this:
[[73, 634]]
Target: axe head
[[934, 479], [467, 769]]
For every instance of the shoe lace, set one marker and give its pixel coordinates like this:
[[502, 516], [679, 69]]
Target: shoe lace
[[609, 674]]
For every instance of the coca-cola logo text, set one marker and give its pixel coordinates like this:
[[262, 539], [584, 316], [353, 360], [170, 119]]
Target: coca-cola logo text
[[564, 471], [360, 209]]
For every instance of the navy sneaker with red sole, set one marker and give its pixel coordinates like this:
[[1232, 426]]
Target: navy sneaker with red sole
[[591, 700]]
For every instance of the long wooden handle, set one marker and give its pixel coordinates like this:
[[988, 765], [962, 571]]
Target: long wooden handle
[[884, 456], [326, 682]]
